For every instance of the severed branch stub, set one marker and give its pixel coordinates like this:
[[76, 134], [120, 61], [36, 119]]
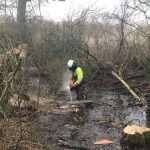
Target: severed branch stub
[[127, 86]]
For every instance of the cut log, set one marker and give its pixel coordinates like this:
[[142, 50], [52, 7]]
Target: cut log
[[59, 111], [62, 107], [136, 138], [56, 111], [80, 102]]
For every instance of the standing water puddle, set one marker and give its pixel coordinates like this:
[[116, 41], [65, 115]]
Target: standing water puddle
[[105, 119]]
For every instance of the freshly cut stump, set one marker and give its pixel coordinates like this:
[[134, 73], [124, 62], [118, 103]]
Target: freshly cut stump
[[136, 138]]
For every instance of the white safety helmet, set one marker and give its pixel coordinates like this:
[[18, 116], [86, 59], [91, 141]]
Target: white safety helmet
[[71, 63]]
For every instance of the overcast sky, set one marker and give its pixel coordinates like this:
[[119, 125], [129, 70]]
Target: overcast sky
[[58, 10]]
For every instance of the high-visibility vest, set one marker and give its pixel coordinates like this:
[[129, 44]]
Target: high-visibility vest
[[77, 76]]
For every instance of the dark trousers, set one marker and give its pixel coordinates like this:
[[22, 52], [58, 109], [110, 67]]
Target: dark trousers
[[79, 91]]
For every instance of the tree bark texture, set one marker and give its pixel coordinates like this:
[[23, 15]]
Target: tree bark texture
[[21, 20]]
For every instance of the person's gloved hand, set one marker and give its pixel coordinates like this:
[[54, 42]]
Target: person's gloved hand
[[71, 84]]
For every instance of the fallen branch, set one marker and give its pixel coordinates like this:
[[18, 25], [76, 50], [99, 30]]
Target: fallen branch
[[126, 85]]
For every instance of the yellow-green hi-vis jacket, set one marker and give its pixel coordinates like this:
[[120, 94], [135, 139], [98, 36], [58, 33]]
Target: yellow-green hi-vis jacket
[[77, 76]]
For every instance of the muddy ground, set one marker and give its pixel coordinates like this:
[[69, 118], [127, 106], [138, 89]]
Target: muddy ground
[[113, 109], [104, 119]]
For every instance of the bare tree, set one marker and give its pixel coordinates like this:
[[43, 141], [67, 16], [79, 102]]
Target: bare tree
[[21, 18]]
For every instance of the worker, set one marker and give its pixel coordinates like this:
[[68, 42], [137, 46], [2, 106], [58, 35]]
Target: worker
[[76, 81]]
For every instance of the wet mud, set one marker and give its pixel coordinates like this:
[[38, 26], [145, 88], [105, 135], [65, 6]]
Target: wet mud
[[104, 119]]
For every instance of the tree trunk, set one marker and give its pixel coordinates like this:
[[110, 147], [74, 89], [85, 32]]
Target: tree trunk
[[21, 20], [121, 46], [148, 38]]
